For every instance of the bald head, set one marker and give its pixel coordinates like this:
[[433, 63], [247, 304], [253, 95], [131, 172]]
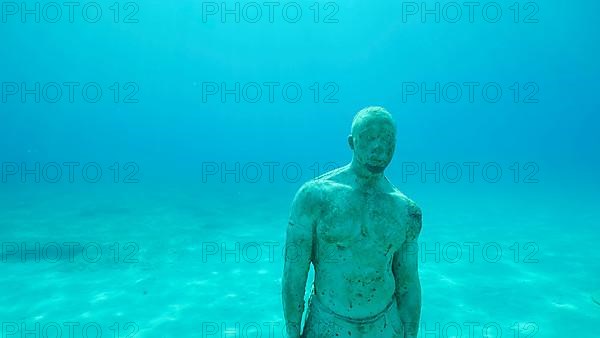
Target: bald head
[[373, 138], [370, 115]]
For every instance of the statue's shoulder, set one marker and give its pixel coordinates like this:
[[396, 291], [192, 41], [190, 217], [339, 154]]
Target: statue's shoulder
[[399, 197], [314, 194], [411, 212], [406, 204], [328, 181], [332, 175], [315, 188]]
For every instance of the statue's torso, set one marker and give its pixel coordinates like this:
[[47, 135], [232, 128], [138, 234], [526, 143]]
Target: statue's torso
[[357, 234]]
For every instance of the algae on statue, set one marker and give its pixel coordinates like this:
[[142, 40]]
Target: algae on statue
[[360, 234]]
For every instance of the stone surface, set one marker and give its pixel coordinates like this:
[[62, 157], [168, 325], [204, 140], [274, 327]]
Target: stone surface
[[359, 232]]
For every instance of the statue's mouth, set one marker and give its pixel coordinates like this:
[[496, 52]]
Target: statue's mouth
[[375, 168]]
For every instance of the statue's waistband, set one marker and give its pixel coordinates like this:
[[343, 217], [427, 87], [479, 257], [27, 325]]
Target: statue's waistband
[[363, 320]]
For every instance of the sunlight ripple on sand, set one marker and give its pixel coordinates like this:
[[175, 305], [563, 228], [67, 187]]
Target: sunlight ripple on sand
[[99, 297], [448, 280], [596, 297], [564, 306], [198, 282]]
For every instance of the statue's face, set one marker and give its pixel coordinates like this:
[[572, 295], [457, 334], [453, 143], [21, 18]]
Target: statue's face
[[375, 144]]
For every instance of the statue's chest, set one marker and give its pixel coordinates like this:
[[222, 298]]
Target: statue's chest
[[362, 222]]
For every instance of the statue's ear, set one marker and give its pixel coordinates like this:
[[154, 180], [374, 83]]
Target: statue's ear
[[351, 142]]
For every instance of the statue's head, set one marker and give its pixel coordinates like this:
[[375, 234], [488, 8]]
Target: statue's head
[[373, 139]]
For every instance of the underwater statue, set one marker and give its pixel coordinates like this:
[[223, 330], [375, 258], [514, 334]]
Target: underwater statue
[[360, 233]]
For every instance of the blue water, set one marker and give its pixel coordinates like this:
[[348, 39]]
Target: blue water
[[176, 225]]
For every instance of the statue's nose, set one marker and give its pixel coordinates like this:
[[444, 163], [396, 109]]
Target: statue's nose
[[378, 147]]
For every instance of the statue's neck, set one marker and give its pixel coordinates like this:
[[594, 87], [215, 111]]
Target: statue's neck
[[364, 178]]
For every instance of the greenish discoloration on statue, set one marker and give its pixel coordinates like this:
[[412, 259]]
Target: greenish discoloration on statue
[[360, 233]]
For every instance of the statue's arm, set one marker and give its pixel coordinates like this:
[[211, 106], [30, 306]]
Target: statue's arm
[[298, 254], [406, 274]]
